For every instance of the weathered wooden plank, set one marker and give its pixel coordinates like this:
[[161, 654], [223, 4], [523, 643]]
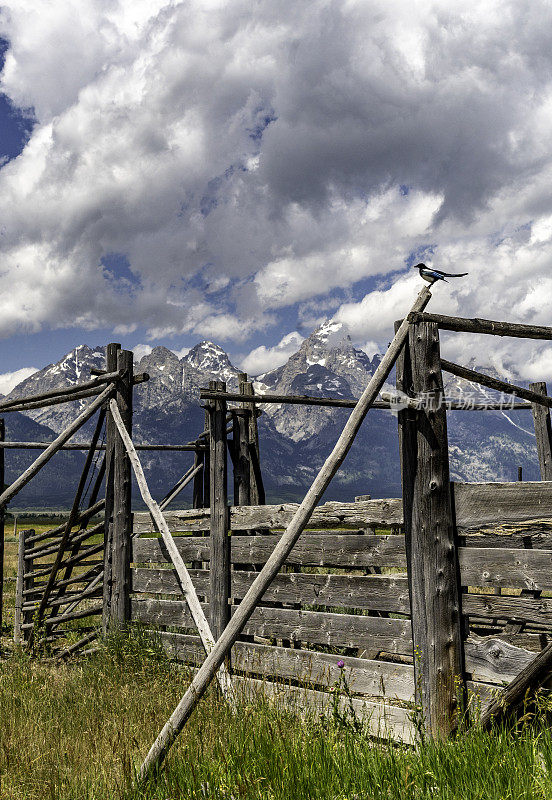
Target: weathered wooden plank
[[492, 503], [371, 635], [363, 676], [488, 326], [494, 660], [534, 674], [333, 514], [515, 569], [312, 549], [367, 592], [531, 537], [515, 609]]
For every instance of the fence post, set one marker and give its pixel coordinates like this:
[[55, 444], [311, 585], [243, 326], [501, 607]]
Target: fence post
[[197, 494], [2, 517], [19, 585], [429, 531], [543, 432], [242, 468], [219, 518], [122, 487], [112, 351], [256, 492], [207, 461]]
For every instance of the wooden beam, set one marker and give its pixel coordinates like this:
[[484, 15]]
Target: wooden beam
[[181, 484], [205, 674], [543, 432], [219, 519], [122, 496], [60, 394], [513, 698], [487, 326], [430, 544], [242, 469], [54, 446], [184, 579], [494, 383]]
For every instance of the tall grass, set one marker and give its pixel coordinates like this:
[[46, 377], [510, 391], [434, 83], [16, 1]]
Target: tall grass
[[79, 731]]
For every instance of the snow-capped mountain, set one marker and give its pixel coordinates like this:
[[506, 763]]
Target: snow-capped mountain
[[326, 365], [295, 440]]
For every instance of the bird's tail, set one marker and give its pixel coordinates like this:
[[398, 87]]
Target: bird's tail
[[454, 274]]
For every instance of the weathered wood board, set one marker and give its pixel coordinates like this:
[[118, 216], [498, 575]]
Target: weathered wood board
[[495, 503], [369, 592], [371, 635]]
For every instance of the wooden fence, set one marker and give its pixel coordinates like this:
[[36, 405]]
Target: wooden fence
[[340, 607]]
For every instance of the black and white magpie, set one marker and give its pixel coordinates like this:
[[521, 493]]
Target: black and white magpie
[[431, 275]]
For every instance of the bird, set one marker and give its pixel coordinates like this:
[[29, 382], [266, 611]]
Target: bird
[[432, 275]]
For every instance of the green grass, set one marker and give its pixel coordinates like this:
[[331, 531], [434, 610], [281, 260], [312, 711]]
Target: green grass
[[79, 731]]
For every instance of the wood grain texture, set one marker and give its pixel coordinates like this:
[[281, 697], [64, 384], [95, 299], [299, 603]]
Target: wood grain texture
[[219, 574], [493, 660], [122, 499], [503, 607], [313, 549], [367, 592], [543, 432], [493, 503], [516, 569], [364, 676], [429, 532], [489, 326], [371, 635], [332, 514]]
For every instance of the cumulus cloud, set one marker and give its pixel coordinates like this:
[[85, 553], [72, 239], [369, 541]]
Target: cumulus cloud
[[262, 359], [9, 380], [245, 158]]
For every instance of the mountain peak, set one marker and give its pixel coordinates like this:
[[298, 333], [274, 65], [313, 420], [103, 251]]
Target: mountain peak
[[210, 358]]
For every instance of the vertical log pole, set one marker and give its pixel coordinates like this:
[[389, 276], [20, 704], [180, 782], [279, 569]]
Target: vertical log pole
[[122, 485], [429, 531], [243, 465], [256, 491], [543, 432], [19, 586], [207, 463], [197, 494], [219, 528], [2, 517], [112, 351]]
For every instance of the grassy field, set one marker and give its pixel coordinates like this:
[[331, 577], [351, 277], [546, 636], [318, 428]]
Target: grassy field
[[79, 731]]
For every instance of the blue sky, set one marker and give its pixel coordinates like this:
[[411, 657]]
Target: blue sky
[[240, 172]]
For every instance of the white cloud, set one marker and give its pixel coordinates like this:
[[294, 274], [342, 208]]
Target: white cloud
[[9, 380], [247, 157], [262, 359], [141, 350], [182, 352]]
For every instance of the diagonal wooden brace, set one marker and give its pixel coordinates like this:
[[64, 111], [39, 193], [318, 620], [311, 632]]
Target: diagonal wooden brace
[[160, 523]]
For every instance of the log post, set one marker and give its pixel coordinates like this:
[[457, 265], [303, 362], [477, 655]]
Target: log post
[[219, 527], [197, 491], [543, 432], [207, 463], [122, 486], [2, 516], [256, 492], [19, 587], [242, 470], [429, 532], [112, 351]]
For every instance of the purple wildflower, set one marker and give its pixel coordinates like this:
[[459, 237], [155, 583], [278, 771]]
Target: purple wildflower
[[340, 664]]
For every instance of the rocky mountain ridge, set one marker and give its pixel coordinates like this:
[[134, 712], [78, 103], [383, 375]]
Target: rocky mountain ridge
[[295, 440]]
